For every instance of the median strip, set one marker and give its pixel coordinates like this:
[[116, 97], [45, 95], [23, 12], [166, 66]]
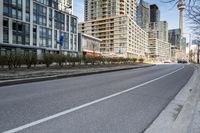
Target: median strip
[[81, 72]]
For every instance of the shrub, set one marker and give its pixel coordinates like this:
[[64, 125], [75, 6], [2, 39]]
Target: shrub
[[3, 60], [34, 59], [59, 59], [134, 60], [28, 59], [78, 59], [9, 59], [101, 59], [17, 60], [74, 59], [90, 59], [48, 59], [141, 60]]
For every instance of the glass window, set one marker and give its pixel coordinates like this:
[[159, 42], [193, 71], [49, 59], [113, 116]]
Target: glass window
[[19, 39], [19, 14], [27, 40], [39, 13], [27, 28], [5, 22], [20, 27], [50, 23], [27, 5], [19, 3], [5, 36], [14, 38], [14, 26], [34, 18], [14, 2], [27, 17], [14, 13], [5, 10]]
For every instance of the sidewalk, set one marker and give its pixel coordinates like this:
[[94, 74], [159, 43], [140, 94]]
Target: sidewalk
[[27, 76], [182, 115]]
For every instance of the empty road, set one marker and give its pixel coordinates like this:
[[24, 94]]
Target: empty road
[[117, 102]]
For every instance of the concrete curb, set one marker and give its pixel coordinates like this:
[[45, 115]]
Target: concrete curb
[[186, 116], [38, 79], [178, 115]]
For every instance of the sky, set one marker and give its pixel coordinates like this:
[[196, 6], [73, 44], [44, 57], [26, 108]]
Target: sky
[[168, 12]]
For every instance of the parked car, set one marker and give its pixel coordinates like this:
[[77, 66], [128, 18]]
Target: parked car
[[182, 61], [167, 62]]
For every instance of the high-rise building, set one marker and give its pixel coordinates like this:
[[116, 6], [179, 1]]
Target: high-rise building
[[154, 13], [174, 39], [159, 47], [143, 15], [114, 22], [98, 9], [159, 50], [159, 30], [65, 5], [36, 26]]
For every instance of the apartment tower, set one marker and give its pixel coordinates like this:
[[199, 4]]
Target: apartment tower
[[143, 15], [36, 26], [114, 22], [154, 13]]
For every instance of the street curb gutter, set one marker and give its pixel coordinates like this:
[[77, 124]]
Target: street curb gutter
[[38, 79], [184, 120], [178, 115]]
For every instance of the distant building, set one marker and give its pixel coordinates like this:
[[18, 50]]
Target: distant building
[[98, 9], [36, 26], [158, 46], [143, 15], [65, 5], [154, 13], [159, 50], [88, 45], [114, 22], [159, 30], [174, 36]]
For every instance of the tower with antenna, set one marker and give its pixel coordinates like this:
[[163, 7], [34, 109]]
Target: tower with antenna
[[181, 8]]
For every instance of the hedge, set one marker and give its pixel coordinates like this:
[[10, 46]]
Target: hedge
[[30, 59]]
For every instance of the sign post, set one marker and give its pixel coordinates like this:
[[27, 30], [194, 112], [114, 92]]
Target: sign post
[[61, 43]]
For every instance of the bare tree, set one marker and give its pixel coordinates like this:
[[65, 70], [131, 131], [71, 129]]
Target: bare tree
[[175, 2], [192, 13]]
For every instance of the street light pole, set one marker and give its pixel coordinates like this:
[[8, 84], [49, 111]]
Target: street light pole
[[198, 54]]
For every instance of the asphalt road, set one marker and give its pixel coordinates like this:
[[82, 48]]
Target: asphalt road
[[117, 102]]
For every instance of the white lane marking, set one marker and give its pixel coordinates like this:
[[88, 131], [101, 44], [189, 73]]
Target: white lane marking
[[85, 105]]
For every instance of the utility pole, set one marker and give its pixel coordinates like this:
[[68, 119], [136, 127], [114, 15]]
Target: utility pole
[[189, 47], [198, 54]]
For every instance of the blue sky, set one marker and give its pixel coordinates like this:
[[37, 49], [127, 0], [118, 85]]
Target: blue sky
[[168, 12]]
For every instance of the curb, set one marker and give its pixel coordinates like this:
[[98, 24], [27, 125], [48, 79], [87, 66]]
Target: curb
[[183, 123], [39, 79], [178, 115]]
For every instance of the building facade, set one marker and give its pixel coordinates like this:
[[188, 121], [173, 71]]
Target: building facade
[[159, 50], [158, 46], [114, 22], [88, 45], [143, 15], [36, 25], [174, 39], [159, 30], [154, 13], [65, 6], [98, 9]]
